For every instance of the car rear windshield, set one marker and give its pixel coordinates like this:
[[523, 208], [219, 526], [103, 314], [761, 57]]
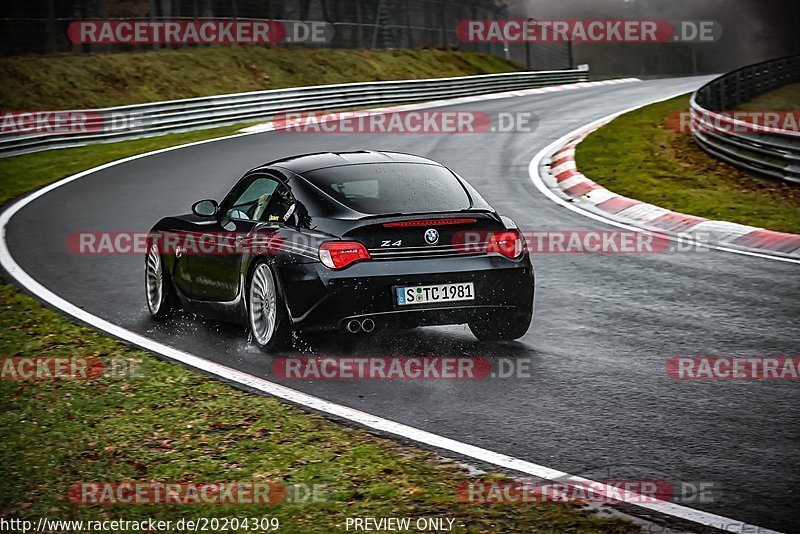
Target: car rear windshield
[[380, 188]]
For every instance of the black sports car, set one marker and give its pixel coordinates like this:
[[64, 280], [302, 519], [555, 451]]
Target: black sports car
[[349, 241]]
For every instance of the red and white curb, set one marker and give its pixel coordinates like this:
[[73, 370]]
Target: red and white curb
[[569, 184], [268, 126]]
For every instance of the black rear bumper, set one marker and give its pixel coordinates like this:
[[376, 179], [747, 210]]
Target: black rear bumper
[[323, 299]]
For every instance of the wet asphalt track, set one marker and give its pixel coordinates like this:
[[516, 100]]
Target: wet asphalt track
[[597, 402]]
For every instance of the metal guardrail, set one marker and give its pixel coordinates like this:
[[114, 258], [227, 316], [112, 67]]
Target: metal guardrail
[[753, 147], [196, 113]]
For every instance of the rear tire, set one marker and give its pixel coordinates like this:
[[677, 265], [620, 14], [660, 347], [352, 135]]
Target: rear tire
[[501, 326], [266, 311], [162, 301]]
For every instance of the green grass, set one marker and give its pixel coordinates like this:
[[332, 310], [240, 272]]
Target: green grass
[[166, 423], [786, 98], [640, 157], [94, 81]]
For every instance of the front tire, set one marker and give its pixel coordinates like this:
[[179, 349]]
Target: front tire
[[160, 295], [502, 326], [266, 312]]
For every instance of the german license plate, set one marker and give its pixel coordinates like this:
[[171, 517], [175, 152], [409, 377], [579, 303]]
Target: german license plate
[[438, 293]]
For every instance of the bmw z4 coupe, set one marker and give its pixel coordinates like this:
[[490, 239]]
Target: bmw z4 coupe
[[349, 242]]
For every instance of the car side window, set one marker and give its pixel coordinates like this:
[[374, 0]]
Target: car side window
[[261, 199], [252, 198]]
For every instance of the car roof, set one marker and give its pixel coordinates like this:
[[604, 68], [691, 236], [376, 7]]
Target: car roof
[[320, 160]]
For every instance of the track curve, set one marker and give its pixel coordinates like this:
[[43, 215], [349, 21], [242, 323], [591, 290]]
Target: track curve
[[604, 326]]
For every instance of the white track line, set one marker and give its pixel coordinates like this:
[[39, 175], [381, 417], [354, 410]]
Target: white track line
[[361, 418], [538, 181]]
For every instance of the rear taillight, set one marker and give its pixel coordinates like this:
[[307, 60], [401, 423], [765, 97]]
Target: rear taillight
[[509, 244], [340, 254]]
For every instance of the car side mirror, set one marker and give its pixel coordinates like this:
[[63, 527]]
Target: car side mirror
[[205, 208]]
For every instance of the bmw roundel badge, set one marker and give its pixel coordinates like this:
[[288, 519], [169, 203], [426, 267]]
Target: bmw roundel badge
[[431, 236]]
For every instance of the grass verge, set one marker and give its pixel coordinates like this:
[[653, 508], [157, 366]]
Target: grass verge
[[786, 98], [102, 80], [639, 156], [165, 423]]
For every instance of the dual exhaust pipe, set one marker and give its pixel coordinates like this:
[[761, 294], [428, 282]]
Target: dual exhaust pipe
[[354, 326]]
